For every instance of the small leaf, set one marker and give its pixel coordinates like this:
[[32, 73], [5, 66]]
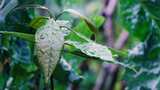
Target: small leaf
[[92, 27], [38, 22]]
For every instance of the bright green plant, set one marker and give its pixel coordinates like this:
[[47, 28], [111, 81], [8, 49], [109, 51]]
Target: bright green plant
[[50, 38], [37, 46]]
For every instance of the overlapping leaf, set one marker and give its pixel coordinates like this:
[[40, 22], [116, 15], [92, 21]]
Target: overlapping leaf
[[134, 18], [141, 17], [93, 50]]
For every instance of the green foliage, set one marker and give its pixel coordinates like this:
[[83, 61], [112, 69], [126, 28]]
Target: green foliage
[[134, 18], [152, 7], [93, 50], [24, 28], [141, 18], [20, 30]]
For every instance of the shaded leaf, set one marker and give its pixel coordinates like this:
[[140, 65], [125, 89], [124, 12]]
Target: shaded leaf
[[68, 74], [33, 6], [146, 60], [23, 71], [153, 6], [134, 18]]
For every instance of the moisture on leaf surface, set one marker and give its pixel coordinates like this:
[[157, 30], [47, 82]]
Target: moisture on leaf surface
[[49, 43]]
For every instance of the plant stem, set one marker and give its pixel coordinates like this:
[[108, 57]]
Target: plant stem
[[52, 83]]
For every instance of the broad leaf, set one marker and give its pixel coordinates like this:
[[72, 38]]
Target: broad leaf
[[49, 43], [93, 50], [134, 18], [145, 57], [153, 7]]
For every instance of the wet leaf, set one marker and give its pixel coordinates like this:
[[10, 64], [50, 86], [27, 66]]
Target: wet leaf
[[93, 50], [98, 51], [49, 43]]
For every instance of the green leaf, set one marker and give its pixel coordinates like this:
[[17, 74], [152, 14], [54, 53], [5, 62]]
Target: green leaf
[[134, 18], [120, 53], [23, 71], [102, 53], [69, 75], [146, 76], [153, 7], [93, 50], [146, 60], [98, 20], [18, 21], [49, 43], [83, 29], [97, 51], [28, 37], [92, 27], [38, 22]]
